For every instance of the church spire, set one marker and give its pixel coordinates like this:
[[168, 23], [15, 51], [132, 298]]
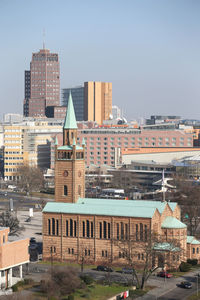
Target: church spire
[[70, 119]]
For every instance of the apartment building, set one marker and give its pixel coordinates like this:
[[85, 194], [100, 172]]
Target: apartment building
[[28, 142]]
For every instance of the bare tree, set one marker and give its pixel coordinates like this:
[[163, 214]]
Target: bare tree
[[62, 282], [188, 197], [8, 219], [31, 178], [144, 257]]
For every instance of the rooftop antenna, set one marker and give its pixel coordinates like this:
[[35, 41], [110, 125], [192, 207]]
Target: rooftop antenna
[[43, 38]]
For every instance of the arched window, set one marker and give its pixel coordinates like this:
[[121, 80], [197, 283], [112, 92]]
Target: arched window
[[65, 190], [126, 231], [104, 229], [49, 226], [92, 229], [53, 226], [83, 228], [100, 230], [109, 230], [67, 228], [141, 232], [122, 231], [117, 231], [88, 229], [71, 227], [145, 232], [57, 227], [136, 232], [75, 228]]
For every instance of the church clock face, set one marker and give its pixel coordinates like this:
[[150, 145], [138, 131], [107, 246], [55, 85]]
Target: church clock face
[[65, 173], [79, 173]]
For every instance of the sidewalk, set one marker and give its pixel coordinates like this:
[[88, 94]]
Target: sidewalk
[[165, 286]]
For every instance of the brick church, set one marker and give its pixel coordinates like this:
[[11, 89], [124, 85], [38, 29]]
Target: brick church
[[76, 228]]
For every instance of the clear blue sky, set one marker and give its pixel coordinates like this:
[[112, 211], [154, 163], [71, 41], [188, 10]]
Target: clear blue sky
[[148, 49]]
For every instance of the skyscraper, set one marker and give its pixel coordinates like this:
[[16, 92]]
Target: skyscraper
[[78, 100], [42, 83], [97, 101]]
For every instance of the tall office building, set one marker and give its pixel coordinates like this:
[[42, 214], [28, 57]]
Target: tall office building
[[42, 84], [97, 101], [78, 100]]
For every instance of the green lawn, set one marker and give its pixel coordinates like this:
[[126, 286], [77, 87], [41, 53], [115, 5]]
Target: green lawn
[[102, 292]]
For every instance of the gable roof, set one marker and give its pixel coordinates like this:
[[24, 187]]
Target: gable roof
[[70, 119], [90, 209], [131, 203], [172, 222], [192, 240]]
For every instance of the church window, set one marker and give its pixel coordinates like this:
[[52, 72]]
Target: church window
[[145, 232], [75, 228], [117, 231], [136, 234], [104, 230], [57, 227], [122, 231], [71, 227], [102, 253], [109, 230], [83, 228], [100, 230], [88, 229], [67, 228], [193, 250], [92, 229], [126, 231], [65, 190], [53, 226], [141, 231], [49, 226]]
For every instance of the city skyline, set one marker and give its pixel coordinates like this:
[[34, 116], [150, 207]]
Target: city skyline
[[149, 51]]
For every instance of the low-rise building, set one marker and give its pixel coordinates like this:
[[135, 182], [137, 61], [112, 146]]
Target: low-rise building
[[13, 253]]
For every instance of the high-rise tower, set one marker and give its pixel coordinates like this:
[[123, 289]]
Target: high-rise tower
[[69, 162], [42, 83]]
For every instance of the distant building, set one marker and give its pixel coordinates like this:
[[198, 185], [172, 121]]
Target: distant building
[[92, 102], [116, 112], [11, 118], [162, 119], [28, 142], [97, 101], [42, 83], [78, 100]]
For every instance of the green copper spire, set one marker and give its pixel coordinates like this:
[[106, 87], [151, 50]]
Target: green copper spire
[[70, 119]]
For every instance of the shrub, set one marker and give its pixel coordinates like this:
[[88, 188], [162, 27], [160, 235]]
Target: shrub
[[87, 279], [15, 288], [71, 297], [184, 267], [192, 262]]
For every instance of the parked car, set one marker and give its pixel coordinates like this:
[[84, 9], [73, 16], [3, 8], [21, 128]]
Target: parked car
[[127, 270], [104, 268], [185, 285], [32, 240], [164, 274]]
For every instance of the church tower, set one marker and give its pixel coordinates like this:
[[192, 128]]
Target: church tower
[[69, 162]]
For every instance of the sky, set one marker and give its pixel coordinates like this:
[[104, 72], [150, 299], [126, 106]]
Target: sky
[[148, 49]]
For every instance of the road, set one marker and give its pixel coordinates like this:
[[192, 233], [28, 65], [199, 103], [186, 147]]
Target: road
[[181, 293], [19, 201]]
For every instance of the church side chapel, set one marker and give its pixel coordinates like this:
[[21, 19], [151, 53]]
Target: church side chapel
[[106, 231]]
